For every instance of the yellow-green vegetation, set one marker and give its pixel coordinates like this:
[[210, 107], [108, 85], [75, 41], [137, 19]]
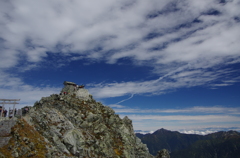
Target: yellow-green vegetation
[[118, 152], [25, 141], [118, 143]]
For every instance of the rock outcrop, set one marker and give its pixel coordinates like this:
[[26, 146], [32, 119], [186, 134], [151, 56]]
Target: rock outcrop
[[71, 126], [163, 154], [5, 129]]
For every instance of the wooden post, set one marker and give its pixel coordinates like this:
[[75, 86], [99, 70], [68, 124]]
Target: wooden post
[[2, 110], [13, 109]]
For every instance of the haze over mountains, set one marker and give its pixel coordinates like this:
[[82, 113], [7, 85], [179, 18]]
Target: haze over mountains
[[219, 144], [202, 131]]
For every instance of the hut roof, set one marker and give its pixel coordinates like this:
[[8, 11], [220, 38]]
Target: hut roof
[[69, 83]]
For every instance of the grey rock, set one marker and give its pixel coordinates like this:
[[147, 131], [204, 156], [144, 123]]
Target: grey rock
[[163, 154]]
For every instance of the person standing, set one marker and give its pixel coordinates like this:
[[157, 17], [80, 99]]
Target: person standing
[[10, 113], [5, 113]]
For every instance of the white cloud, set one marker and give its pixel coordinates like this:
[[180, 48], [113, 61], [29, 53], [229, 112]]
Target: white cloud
[[29, 94], [221, 85], [198, 132], [208, 130], [36, 55], [193, 110], [85, 25], [8, 59], [182, 122], [186, 118], [116, 106], [12, 87], [181, 41], [195, 120], [181, 51], [178, 78]]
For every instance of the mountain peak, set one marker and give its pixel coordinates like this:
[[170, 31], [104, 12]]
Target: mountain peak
[[72, 124], [162, 130]]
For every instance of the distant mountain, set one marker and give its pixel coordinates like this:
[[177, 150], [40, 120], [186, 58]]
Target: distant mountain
[[215, 145], [172, 141]]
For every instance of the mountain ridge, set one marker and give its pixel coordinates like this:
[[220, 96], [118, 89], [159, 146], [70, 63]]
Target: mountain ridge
[[223, 143]]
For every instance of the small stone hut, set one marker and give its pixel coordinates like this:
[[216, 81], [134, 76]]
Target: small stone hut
[[74, 89]]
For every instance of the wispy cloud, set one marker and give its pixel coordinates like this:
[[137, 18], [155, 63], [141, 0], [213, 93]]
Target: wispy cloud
[[199, 131], [181, 122], [181, 77], [205, 130], [202, 132], [116, 106], [12, 87], [189, 111], [186, 42], [186, 120]]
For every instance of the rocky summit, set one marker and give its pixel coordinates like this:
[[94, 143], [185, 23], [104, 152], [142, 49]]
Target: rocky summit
[[72, 125]]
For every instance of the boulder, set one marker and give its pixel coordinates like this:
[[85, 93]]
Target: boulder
[[163, 154]]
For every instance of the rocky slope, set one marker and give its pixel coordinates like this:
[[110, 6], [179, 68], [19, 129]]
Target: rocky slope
[[68, 126]]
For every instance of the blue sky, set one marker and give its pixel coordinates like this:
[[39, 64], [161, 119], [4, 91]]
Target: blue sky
[[165, 64]]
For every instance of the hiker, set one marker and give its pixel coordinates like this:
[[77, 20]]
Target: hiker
[[15, 111], [82, 86], [75, 87], [10, 113], [26, 110], [23, 111], [5, 113]]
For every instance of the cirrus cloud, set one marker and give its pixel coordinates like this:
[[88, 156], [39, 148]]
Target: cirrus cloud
[[187, 43]]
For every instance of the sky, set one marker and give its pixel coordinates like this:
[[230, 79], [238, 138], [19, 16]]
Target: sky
[[163, 63]]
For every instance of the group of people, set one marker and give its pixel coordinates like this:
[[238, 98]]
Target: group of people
[[11, 113], [4, 113], [76, 87], [63, 93], [25, 110]]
